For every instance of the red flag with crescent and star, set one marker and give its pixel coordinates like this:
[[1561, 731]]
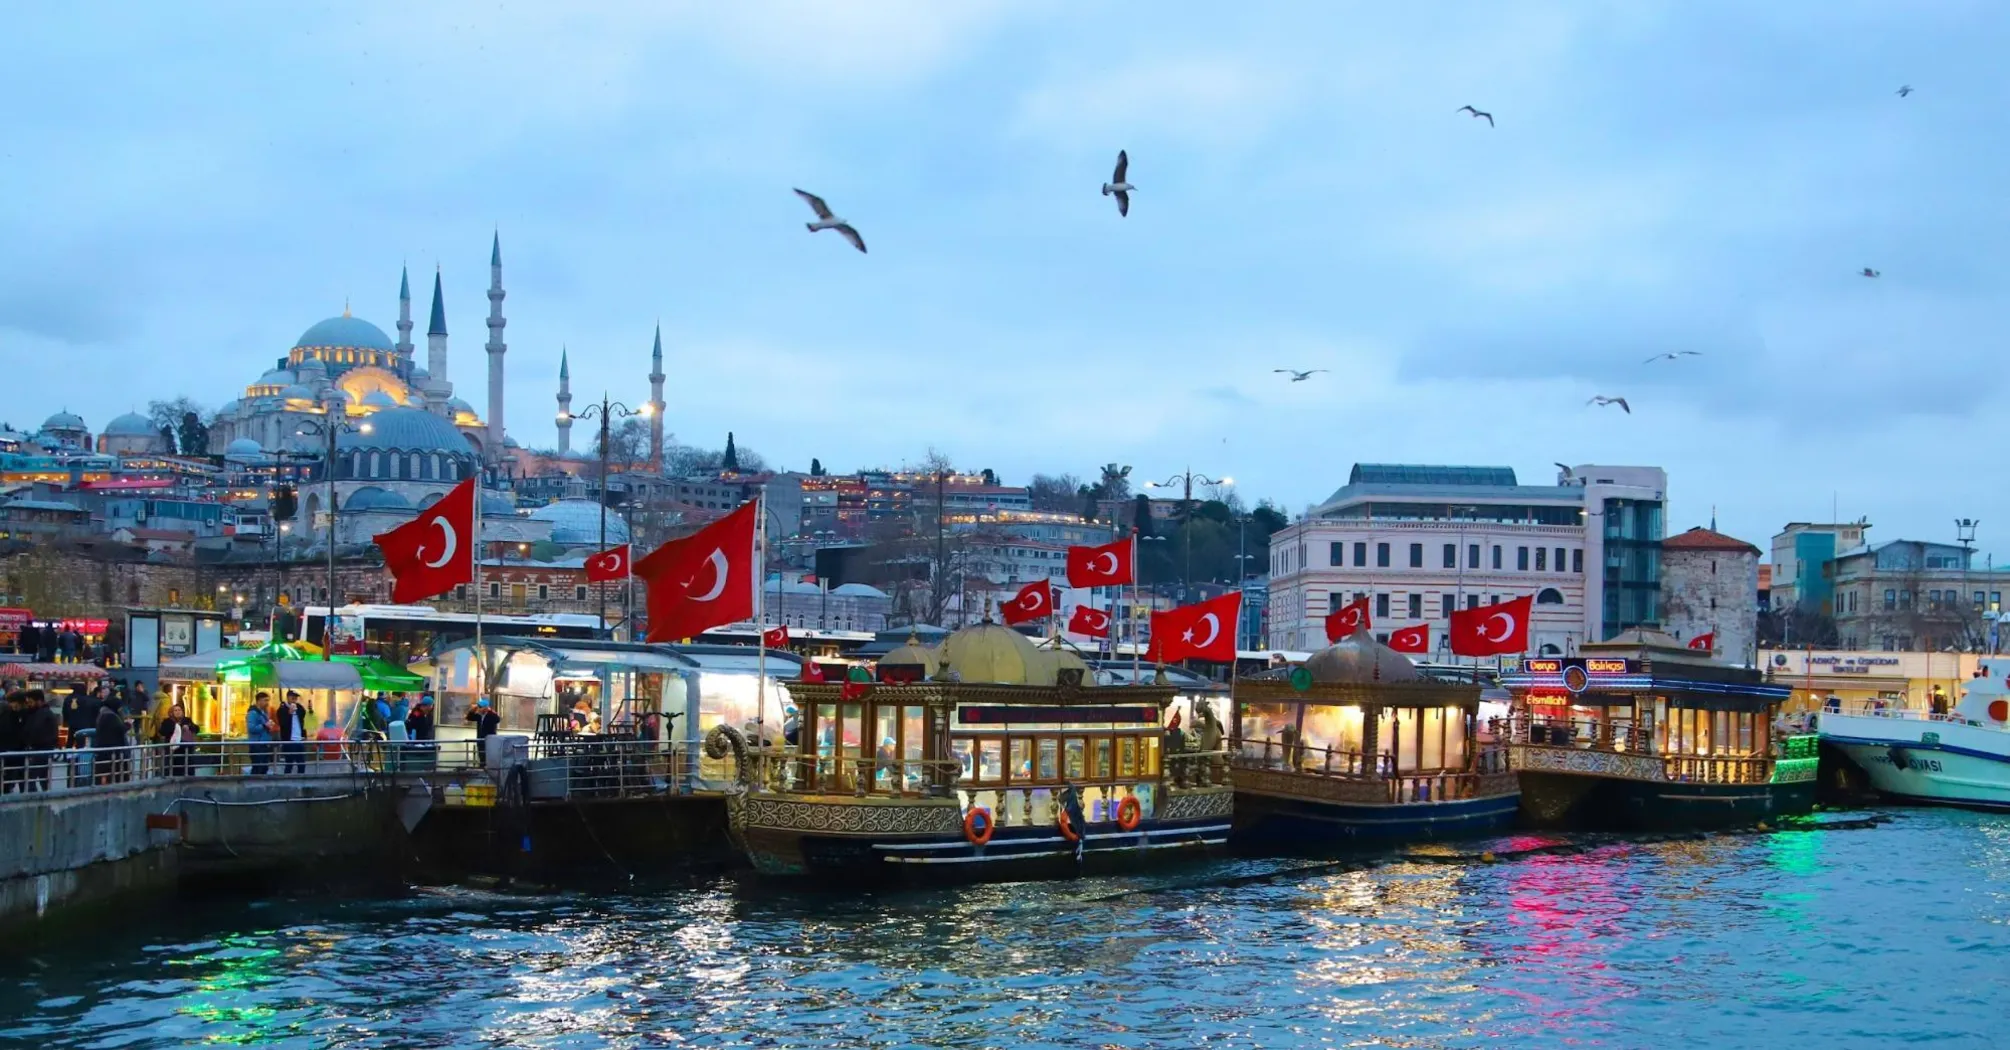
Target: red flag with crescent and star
[[1492, 630], [1347, 619], [703, 580], [1035, 600], [1705, 642], [609, 566], [434, 552], [1110, 565], [1415, 639], [1089, 622], [1204, 631], [776, 637]]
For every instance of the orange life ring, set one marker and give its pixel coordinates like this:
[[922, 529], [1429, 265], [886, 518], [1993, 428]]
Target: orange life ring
[[1130, 813], [977, 825], [1067, 826]]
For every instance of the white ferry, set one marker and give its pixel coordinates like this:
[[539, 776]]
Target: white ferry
[[1956, 759]]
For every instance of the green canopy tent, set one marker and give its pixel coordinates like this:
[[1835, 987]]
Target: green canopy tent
[[282, 666]]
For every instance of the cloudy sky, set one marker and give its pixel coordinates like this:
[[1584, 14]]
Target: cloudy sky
[[185, 187]]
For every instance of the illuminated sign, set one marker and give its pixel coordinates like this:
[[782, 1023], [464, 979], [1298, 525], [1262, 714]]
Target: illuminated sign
[[1574, 678], [1542, 666], [1596, 665]]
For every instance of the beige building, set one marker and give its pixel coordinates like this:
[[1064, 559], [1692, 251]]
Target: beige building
[[1860, 678]]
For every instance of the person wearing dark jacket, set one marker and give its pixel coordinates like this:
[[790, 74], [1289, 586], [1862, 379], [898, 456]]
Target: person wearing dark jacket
[[80, 712], [40, 734], [419, 720], [290, 729], [109, 744], [13, 741], [486, 721], [179, 731]]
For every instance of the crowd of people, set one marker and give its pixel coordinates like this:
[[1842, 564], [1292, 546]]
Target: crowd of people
[[33, 727]]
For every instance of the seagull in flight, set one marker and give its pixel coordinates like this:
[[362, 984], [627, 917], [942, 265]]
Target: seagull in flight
[[1297, 376], [1620, 401], [1868, 272], [1904, 90], [1477, 114], [1672, 355], [827, 221], [1118, 187]]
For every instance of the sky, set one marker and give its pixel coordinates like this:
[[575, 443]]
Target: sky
[[185, 188]]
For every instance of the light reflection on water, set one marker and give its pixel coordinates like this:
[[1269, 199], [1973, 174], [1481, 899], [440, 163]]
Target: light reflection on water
[[1854, 937]]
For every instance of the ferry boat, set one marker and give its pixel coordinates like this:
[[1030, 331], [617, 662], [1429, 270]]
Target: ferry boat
[[1958, 759], [988, 759], [1649, 735], [1356, 744]]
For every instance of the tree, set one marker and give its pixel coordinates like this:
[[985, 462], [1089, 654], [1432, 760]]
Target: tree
[[627, 444], [1090, 505], [1798, 628], [180, 424], [194, 435], [816, 467], [988, 476], [731, 460], [1054, 492], [1115, 483], [1141, 515]]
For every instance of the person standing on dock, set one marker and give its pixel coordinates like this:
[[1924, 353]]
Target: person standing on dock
[[292, 734], [258, 730], [13, 741], [110, 744], [40, 735], [486, 721], [178, 732], [419, 720]]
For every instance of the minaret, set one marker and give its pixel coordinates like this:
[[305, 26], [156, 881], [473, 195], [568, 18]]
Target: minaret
[[404, 347], [496, 348], [436, 335], [564, 404], [656, 403]]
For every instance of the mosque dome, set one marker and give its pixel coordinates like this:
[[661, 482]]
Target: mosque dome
[[576, 523], [64, 421], [408, 430], [296, 392], [243, 446], [229, 407], [989, 652], [1360, 659], [502, 505], [379, 400], [577, 455], [130, 425], [276, 377], [345, 332], [370, 497], [419, 372]]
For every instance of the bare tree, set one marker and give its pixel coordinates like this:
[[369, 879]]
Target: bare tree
[[180, 423], [1053, 492], [1917, 620]]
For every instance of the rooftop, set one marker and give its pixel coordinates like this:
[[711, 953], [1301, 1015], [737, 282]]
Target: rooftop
[[1702, 539], [1414, 474]]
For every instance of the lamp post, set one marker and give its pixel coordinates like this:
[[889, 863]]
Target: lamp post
[[606, 411], [1186, 479], [1964, 534], [328, 428]]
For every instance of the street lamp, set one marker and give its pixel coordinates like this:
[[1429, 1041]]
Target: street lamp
[[1964, 533], [1186, 479], [328, 428], [606, 411]]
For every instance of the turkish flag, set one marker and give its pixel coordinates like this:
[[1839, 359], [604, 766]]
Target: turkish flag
[[703, 580], [1347, 619], [776, 637], [434, 552], [1705, 642], [609, 566], [1109, 565], [1205, 630], [1033, 601], [1492, 630], [812, 671], [1411, 639], [1094, 623]]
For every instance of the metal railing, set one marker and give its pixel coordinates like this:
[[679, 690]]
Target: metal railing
[[560, 768], [1583, 733], [1695, 769], [1270, 754], [1911, 714]]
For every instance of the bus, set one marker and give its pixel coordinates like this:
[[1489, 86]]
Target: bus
[[404, 634]]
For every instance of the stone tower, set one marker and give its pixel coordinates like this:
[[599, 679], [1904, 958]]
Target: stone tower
[[436, 335], [1710, 585], [404, 347], [564, 404], [656, 403], [496, 348]]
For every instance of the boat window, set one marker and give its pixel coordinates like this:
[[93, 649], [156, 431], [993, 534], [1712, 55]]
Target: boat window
[[1745, 720], [1406, 739], [1268, 731], [1099, 767], [1021, 766], [850, 736], [990, 761], [1049, 766], [886, 749], [1332, 739], [913, 740], [826, 738], [1432, 755], [1074, 753], [1148, 756], [1127, 756], [1456, 729]]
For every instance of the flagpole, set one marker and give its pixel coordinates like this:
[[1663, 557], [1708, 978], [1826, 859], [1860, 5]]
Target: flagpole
[[760, 575], [1131, 609], [481, 654]]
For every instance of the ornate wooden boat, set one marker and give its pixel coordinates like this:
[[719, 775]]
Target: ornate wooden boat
[[1645, 734], [1355, 745], [987, 760]]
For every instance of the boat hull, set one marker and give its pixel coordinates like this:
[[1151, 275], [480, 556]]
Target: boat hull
[[1571, 789], [858, 841], [1286, 811], [1944, 763]]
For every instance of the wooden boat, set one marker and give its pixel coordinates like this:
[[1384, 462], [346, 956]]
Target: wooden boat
[[993, 760], [1355, 745], [1647, 734]]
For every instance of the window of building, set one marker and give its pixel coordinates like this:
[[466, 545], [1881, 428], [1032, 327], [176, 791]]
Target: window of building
[[1890, 599], [579, 593], [1382, 555], [1978, 599], [1382, 605], [1497, 555], [1559, 560], [1904, 598], [543, 591], [1473, 556], [1521, 558], [461, 593], [1334, 555], [495, 590], [1933, 598], [1361, 555], [1447, 604], [1549, 596], [1416, 607], [1451, 555], [1542, 559], [1577, 560], [1416, 555]]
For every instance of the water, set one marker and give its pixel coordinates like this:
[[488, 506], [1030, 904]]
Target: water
[[1859, 938]]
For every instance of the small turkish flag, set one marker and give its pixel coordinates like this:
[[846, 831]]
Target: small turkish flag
[[609, 566], [1034, 600], [812, 671], [776, 637], [1205, 630], [1411, 639], [1109, 565], [434, 552], [1705, 642], [1492, 630], [1094, 623], [851, 690], [703, 580], [1347, 619]]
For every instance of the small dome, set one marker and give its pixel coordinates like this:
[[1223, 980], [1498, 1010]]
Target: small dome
[[229, 407], [407, 430], [348, 333], [458, 405], [510, 442], [419, 372], [913, 653], [370, 497], [131, 425], [276, 377], [64, 421], [1360, 658], [379, 400], [296, 392], [503, 505], [576, 523], [989, 652], [577, 455], [244, 446]]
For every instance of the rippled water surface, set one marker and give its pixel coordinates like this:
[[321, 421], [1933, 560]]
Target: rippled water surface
[[1858, 938]]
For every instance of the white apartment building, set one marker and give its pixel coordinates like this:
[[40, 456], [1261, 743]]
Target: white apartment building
[[1421, 541]]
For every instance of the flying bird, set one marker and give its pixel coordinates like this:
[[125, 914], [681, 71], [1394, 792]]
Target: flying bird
[[1672, 355], [1477, 114], [1297, 376], [1620, 401], [1567, 472], [1904, 90], [827, 221], [1118, 187], [1868, 272]]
